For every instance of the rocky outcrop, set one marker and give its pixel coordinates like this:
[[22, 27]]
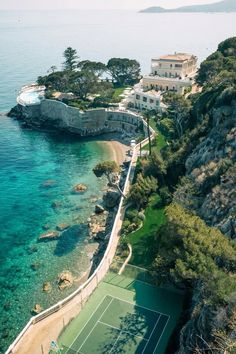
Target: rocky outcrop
[[111, 198], [211, 168], [36, 310], [65, 280], [99, 209]]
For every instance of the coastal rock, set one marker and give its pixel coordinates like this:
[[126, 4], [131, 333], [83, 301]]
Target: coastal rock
[[36, 310], [63, 227], [65, 280], [50, 235], [96, 228], [79, 188], [99, 209], [111, 198], [47, 288]]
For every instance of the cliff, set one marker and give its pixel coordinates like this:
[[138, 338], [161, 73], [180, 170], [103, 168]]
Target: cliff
[[211, 169], [222, 6]]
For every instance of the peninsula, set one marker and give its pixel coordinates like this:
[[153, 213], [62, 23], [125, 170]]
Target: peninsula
[[222, 6]]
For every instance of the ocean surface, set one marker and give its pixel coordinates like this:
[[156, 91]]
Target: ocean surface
[[30, 43]]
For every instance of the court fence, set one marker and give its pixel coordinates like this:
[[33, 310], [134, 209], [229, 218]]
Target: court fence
[[72, 304], [133, 272]]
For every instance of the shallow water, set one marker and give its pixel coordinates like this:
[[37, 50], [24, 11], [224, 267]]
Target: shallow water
[[28, 159]]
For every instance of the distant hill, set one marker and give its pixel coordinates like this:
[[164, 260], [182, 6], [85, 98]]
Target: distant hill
[[222, 6]]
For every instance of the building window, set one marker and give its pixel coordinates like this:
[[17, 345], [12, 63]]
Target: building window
[[151, 101], [178, 65], [144, 99], [171, 65], [137, 97]]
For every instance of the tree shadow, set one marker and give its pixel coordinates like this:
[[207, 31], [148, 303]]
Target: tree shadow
[[69, 239], [134, 331]]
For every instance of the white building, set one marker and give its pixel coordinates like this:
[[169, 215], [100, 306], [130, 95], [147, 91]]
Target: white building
[[142, 100], [172, 72]]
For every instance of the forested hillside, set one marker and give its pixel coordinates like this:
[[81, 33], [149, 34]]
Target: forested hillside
[[196, 249]]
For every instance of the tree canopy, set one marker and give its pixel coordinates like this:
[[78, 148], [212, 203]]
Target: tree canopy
[[124, 71]]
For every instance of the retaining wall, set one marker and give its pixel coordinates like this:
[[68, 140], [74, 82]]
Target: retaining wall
[[84, 123]]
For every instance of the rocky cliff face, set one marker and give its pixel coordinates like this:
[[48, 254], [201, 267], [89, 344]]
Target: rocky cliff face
[[212, 170]]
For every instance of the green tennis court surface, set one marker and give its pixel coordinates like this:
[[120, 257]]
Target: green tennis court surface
[[120, 326], [117, 320]]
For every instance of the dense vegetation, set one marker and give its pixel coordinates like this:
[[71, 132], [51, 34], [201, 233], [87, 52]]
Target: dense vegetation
[[196, 179], [86, 81]]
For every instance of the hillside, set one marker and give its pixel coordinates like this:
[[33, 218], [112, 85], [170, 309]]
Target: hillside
[[222, 6], [197, 247]]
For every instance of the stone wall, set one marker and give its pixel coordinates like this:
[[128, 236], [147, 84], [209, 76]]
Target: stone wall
[[89, 123]]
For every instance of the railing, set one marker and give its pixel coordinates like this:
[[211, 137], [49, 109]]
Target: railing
[[86, 289]]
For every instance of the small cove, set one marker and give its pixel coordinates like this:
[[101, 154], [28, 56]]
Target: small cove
[[37, 173]]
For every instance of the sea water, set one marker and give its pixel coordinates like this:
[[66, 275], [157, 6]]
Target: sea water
[[37, 174], [30, 43]]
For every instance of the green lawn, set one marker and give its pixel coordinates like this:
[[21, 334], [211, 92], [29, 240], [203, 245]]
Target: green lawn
[[143, 240], [160, 141], [118, 91]]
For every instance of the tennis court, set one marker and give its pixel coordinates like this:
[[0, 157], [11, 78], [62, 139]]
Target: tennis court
[[123, 315], [118, 326]]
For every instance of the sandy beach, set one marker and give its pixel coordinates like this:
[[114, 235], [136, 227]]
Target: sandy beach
[[117, 148]]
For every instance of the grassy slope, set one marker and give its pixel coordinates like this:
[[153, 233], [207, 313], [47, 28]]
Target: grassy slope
[[143, 240]]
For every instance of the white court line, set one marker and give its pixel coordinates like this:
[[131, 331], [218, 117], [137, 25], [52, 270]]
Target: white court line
[[85, 324], [95, 324], [142, 307], [115, 342], [151, 334], [161, 334], [121, 330]]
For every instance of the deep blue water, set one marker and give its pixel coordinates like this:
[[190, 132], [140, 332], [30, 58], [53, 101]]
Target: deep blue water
[[30, 42]]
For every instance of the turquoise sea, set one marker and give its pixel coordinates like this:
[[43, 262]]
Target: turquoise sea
[[30, 42]]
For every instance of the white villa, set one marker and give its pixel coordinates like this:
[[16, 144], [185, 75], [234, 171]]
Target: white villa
[[142, 100], [172, 72]]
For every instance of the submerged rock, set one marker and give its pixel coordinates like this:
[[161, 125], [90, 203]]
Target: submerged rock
[[62, 227], [56, 204], [46, 227], [65, 280], [47, 288], [35, 266], [49, 183], [79, 188], [50, 235]]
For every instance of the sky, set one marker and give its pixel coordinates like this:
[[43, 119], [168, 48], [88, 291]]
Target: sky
[[95, 4]]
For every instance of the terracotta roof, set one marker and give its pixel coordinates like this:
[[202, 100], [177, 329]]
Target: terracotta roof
[[177, 56]]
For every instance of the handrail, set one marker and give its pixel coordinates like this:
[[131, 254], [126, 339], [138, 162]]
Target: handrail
[[56, 307]]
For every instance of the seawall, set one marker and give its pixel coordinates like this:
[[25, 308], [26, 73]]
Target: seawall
[[93, 122]]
